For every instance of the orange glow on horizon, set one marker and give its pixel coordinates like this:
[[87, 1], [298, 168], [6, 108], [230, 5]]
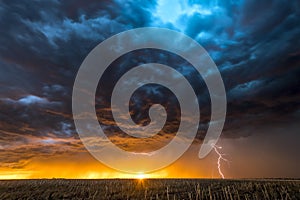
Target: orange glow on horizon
[[74, 173], [83, 166], [90, 171]]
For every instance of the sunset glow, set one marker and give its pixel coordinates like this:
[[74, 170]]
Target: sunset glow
[[255, 46], [142, 176]]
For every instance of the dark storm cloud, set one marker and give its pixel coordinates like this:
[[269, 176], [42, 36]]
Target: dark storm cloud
[[263, 69], [53, 37], [259, 67], [255, 44], [42, 46]]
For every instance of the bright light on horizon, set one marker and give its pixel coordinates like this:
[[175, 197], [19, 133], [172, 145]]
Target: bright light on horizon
[[141, 176]]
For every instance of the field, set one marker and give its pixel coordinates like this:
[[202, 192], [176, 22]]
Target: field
[[150, 189]]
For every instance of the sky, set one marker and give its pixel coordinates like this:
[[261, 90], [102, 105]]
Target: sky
[[255, 45]]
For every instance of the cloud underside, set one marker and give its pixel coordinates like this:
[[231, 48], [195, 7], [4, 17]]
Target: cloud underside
[[254, 44]]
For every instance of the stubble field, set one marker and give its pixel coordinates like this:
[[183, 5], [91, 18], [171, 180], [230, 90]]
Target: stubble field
[[150, 189]]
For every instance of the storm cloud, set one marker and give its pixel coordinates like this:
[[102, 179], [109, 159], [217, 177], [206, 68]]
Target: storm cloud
[[255, 45]]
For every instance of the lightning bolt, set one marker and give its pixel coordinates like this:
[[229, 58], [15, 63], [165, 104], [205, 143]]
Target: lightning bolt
[[220, 158]]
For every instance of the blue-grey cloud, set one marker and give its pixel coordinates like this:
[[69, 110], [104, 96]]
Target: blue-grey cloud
[[255, 44]]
